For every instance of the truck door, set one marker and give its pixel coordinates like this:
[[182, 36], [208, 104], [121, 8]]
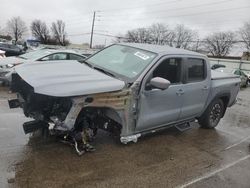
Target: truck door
[[160, 107], [196, 87]]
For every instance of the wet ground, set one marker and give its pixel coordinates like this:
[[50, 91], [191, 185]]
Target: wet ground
[[195, 158]]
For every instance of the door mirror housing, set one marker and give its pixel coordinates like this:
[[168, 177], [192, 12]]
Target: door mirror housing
[[160, 83]]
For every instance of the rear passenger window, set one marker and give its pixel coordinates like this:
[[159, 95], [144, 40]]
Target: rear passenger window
[[196, 70]]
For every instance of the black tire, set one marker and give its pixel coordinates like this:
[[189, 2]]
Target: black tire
[[212, 115]]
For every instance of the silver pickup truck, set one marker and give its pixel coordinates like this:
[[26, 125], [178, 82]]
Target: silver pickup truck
[[127, 89]]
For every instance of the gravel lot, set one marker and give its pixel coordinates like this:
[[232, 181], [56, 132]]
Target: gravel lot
[[195, 158]]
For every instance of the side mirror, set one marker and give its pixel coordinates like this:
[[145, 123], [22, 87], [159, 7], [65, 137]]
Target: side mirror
[[160, 83]]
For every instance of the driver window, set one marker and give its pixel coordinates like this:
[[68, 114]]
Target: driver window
[[169, 69]]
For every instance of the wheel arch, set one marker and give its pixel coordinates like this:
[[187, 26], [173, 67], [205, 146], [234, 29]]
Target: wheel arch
[[225, 97], [106, 111]]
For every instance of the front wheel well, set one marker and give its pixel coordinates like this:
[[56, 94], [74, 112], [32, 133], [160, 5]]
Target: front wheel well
[[101, 117]]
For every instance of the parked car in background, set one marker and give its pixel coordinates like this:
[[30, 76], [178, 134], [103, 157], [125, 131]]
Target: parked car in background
[[7, 64], [11, 49], [3, 76], [129, 90], [216, 66], [2, 70], [2, 54], [248, 76], [243, 76]]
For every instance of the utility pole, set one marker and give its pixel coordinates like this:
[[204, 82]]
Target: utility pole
[[92, 30]]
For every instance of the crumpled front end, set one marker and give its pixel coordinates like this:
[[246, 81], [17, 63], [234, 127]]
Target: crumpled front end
[[75, 119], [37, 106]]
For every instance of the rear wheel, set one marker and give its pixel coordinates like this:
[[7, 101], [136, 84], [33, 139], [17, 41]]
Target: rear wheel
[[212, 115]]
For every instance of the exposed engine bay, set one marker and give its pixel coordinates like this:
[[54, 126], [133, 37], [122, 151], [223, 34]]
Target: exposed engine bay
[[75, 120]]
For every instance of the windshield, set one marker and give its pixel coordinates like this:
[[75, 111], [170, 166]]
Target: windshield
[[35, 55], [126, 61]]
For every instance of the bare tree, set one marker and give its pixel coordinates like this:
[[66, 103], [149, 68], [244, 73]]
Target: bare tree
[[155, 34], [17, 27], [59, 33], [160, 34], [119, 38], [245, 34], [40, 30], [180, 37], [140, 35], [220, 43], [183, 37]]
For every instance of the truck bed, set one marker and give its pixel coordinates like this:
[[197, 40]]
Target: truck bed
[[215, 75], [224, 83]]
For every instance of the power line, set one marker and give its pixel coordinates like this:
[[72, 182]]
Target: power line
[[110, 35], [180, 8], [132, 8], [191, 41], [116, 36], [192, 14], [194, 23], [80, 34], [153, 4], [207, 23]]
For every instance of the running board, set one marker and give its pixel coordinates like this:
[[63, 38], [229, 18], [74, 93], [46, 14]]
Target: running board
[[183, 127]]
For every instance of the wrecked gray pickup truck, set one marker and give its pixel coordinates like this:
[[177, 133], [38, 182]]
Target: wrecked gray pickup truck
[[127, 89]]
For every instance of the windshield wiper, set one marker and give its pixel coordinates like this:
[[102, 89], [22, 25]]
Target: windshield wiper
[[104, 71], [86, 63]]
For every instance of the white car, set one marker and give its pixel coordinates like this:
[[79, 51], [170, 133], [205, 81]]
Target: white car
[[240, 73], [248, 76], [7, 64], [2, 54]]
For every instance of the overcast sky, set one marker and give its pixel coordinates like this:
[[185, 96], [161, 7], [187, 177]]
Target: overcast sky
[[116, 17]]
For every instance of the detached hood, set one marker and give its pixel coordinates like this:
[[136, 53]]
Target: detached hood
[[66, 78]]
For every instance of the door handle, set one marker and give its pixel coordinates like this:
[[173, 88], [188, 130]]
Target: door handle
[[205, 88], [180, 92]]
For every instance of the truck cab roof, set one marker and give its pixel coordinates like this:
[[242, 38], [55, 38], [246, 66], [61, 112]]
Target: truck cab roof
[[162, 50]]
